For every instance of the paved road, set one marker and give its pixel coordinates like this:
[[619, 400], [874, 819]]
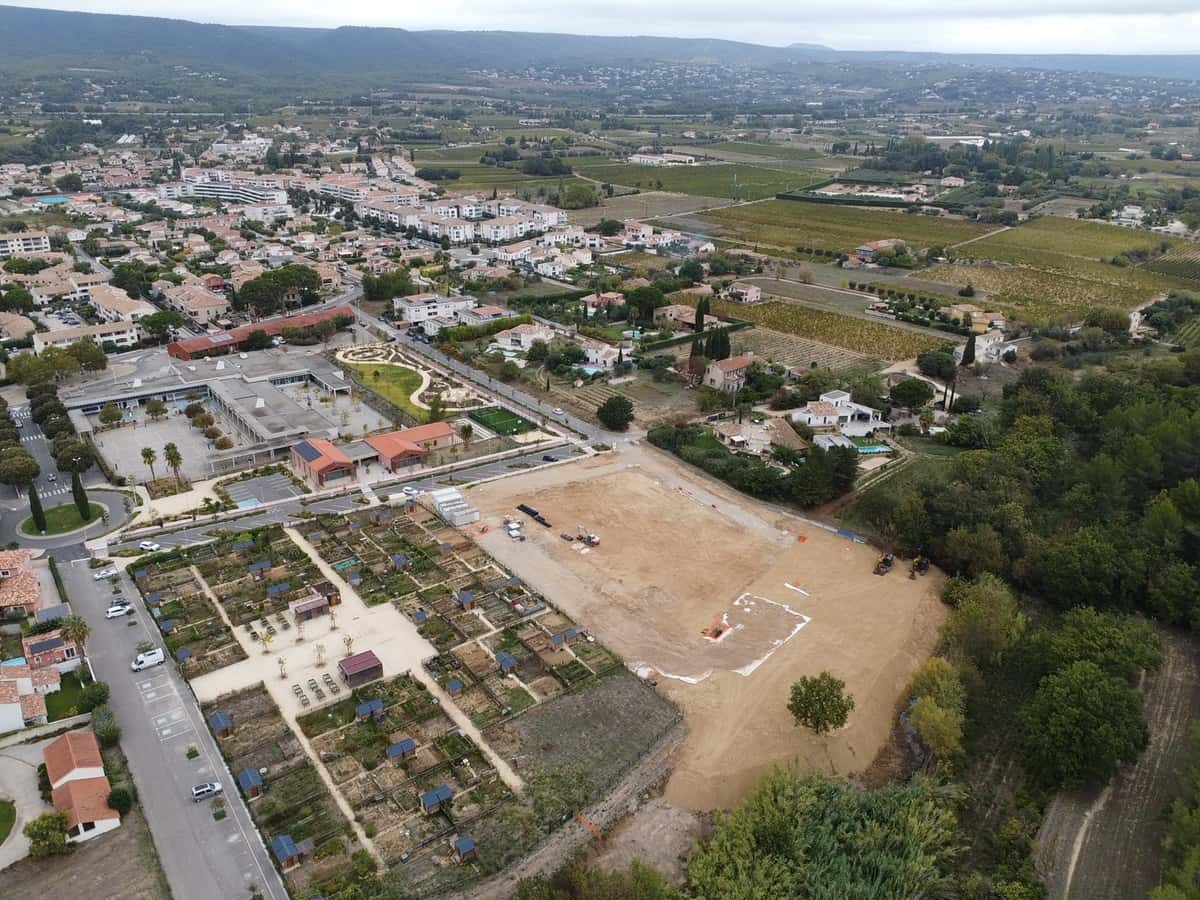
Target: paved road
[[520, 398], [203, 859], [285, 512]]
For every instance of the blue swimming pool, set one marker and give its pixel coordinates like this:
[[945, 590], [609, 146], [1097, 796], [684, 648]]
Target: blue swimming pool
[[53, 201], [875, 448]]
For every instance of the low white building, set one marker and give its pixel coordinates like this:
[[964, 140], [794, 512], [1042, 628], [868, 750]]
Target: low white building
[[521, 337], [416, 308], [837, 412], [123, 334]]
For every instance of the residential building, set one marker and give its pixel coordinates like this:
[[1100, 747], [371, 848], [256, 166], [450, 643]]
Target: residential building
[[122, 334], [681, 314], [23, 243], [78, 785], [597, 301], [196, 302], [482, 314], [521, 337], [115, 305], [20, 590], [231, 341], [72, 757], [744, 292], [14, 326], [662, 159], [835, 411], [868, 251], [50, 649], [728, 375], [416, 308], [989, 346]]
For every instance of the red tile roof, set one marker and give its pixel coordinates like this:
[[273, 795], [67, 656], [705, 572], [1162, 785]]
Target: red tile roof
[[734, 363], [73, 750], [85, 800], [33, 705], [392, 444], [330, 455], [20, 589]]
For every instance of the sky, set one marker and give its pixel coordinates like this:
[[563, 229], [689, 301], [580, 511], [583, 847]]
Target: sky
[[982, 26]]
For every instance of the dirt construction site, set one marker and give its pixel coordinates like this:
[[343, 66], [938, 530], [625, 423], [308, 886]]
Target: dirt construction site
[[723, 602]]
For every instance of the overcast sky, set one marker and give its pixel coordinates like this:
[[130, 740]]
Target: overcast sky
[[1016, 26]]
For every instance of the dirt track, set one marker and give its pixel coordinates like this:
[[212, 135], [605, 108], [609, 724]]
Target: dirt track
[[1107, 845], [679, 552]]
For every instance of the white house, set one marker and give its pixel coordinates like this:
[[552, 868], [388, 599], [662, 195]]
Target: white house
[[522, 337], [836, 411], [744, 292], [989, 346], [417, 308]]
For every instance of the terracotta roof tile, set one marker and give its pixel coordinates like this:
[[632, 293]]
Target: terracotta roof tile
[[85, 800], [73, 750]]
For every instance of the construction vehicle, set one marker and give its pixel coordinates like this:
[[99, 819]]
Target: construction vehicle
[[587, 537], [920, 566], [885, 564]]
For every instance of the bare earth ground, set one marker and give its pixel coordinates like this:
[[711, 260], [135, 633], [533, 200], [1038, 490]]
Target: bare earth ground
[[1107, 845], [659, 835], [120, 865], [679, 552]]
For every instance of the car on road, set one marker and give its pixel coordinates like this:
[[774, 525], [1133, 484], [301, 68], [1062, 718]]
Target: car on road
[[146, 660], [206, 790], [105, 573], [410, 491], [117, 610], [558, 411], [548, 458], [52, 477], [149, 546]]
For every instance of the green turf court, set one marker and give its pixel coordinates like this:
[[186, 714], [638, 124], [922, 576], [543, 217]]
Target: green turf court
[[501, 421]]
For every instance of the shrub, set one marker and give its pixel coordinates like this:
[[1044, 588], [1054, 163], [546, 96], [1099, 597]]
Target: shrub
[[121, 800], [95, 694], [105, 726]]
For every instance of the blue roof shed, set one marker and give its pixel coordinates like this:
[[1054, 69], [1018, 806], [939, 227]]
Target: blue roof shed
[[465, 598], [370, 708], [154, 598], [261, 566], [284, 848], [454, 686], [506, 660], [140, 573], [183, 654], [399, 560], [280, 588], [419, 616], [220, 721], [464, 845], [243, 545], [436, 797], [250, 780], [166, 626], [401, 748]]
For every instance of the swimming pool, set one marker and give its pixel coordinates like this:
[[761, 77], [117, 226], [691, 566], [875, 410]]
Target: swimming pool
[[53, 201], [875, 448]]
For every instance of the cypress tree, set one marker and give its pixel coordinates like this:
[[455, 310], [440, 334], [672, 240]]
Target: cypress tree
[[81, 497], [968, 356], [35, 510]]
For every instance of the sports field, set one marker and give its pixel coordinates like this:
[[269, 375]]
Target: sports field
[[501, 421], [788, 223], [677, 554]]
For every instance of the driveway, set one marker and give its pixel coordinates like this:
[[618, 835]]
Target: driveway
[[18, 782]]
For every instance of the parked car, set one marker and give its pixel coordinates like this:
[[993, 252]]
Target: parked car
[[149, 546], [146, 660], [105, 573], [558, 411], [410, 491], [548, 458], [117, 610], [206, 790], [52, 477]]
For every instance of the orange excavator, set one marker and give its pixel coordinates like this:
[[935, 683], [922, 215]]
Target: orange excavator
[[589, 825]]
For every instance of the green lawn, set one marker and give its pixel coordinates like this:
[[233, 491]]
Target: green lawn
[[395, 384], [62, 518], [753, 182], [8, 815], [66, 698]]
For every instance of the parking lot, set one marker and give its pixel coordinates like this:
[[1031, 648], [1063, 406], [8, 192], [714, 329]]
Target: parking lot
[[254, 491]]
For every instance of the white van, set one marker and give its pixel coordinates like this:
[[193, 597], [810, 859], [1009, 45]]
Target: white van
[[150, 658]]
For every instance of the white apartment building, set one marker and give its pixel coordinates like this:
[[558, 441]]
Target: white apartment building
[[195, 302], [21, 243], [115, 305], [267, 212], [662, 159], [417, 308], [123, 334], [225, 186]]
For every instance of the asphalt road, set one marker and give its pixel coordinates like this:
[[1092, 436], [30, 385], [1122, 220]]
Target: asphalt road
[[286, 512], [203, 858]]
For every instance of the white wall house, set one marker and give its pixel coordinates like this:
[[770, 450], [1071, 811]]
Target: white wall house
[[835, 410]]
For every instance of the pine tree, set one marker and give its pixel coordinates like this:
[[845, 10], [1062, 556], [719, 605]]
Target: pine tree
[[35, 510], [81, 497]]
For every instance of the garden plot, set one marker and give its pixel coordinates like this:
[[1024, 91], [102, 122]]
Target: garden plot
[[793, 351], [294, 801], [679, 556], [194, 633], [255, 575]]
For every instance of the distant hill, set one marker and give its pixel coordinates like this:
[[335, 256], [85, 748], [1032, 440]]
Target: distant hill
[[53, 38]]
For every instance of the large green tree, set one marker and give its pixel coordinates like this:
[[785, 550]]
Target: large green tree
[[820, 702], [1081, 725]]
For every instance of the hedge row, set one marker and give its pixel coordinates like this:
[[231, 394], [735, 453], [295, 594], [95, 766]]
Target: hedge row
[[688, 337], [460, 333]]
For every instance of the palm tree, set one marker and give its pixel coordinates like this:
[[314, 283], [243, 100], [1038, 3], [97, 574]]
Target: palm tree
[[466, 431], [174, 459], [149, 457], [77, 631]]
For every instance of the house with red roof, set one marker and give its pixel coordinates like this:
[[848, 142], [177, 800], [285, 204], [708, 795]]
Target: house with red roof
[[407, 446], [78, 786]]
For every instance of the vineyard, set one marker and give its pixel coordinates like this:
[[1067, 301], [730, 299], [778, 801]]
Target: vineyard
[[796, 352], [861, 336], [1038, 241], [753, 182], [786, 223], [1189, 334], [1183, 262]]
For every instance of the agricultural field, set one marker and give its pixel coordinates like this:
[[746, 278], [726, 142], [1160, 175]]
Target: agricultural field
[[787, 223], [1041, 240], [1189, 334], [770, 151], [861, 336], [436, 156], [485, 178], [1182, 262], [753, 182], [796, 352], [644, 205]]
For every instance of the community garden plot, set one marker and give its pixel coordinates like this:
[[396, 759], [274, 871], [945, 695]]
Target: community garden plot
[[682, 560]]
